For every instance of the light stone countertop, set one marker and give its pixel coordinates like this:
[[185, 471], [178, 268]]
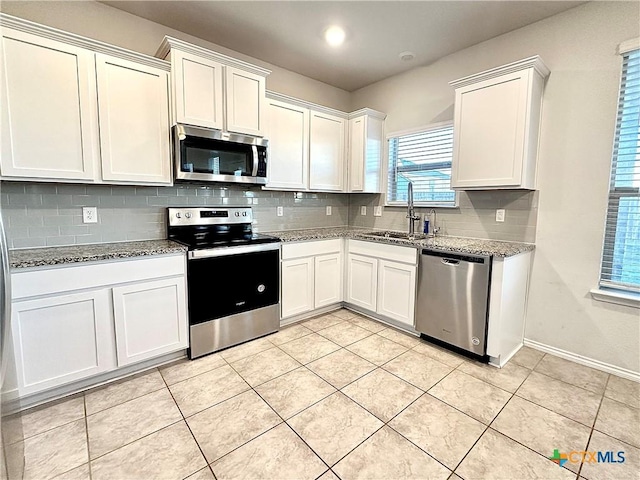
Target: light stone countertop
[[450, 244], [36, 257]]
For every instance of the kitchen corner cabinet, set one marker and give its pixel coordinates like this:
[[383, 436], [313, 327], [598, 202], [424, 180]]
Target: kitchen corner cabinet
[[288, 134], [496, 127], [381, 278], [311, 277], [81, 111], [365, 151], [73, 322], [212, 90]]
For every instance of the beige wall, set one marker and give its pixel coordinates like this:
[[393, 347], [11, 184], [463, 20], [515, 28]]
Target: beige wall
[[110, 25], [579, 46]]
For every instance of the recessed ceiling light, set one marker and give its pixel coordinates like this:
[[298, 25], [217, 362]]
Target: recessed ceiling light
[[334, 35], [407, 56]]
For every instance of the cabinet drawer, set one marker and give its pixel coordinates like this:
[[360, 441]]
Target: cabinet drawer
[[381, 250], [308, 249], [37, 282]]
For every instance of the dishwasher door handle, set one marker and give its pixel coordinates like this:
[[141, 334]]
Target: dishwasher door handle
[[450, 262]]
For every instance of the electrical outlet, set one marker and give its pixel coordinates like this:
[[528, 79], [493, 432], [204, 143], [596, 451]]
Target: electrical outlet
[[280, 211], [363, 210], [328, 209], [377, 211], [500, 215], [89, 214]]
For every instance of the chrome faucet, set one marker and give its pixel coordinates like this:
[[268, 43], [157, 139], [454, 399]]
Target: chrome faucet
[[434, 229], [411, 214]]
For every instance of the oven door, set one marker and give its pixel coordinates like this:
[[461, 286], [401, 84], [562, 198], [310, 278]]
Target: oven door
[[229, 284], [211, 155]]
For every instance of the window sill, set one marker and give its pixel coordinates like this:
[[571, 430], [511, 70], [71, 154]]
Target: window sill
[[617, 297]]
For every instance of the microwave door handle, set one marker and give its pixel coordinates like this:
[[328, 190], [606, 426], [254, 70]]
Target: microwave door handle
[[254, 149]]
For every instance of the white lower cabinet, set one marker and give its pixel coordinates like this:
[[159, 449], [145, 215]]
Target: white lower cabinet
[[70, 323], [150, 319], [328, 279], [396, 291], [297, 286], [311, 277], [382, 279], [362, 278], [62, 338]]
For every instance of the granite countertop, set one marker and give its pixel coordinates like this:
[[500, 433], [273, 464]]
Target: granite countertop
[[451, 244], [36, 257]]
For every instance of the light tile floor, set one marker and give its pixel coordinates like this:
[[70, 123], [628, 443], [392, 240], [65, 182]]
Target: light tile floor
[[340, 396]]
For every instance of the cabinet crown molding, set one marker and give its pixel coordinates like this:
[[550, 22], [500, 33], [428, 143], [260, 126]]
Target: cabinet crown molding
[[170, 43], [367, 111], [534, 62], [303, 103], [26, 26]]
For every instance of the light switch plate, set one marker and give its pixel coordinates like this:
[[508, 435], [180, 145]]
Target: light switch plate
[[328, 209], [500, 215], [363, 210], [280, 211], [89, 214], [377, 211]]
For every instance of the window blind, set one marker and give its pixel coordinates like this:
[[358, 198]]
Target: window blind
[[621, 252], [423, 158]]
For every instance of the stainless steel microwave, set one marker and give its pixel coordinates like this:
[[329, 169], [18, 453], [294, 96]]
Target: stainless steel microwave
[[207, 155]]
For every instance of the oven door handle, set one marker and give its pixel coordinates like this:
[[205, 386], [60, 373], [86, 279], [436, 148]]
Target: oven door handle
[[225, 251], [254, 172]]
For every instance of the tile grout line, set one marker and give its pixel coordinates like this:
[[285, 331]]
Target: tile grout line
[[595, 419]]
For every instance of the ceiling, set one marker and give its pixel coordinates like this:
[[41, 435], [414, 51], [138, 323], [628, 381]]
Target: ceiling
[[289, 34]]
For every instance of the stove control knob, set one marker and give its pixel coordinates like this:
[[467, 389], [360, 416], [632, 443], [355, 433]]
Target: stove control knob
[[237, 214], [178, 215], [187, 215]]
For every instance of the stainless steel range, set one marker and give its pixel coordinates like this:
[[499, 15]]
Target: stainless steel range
[[233, 277]]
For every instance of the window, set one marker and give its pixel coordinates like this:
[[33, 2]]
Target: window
[[424, 158], [621, 252]]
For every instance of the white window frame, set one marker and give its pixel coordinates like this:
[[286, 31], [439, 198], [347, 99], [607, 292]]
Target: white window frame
[[611, 294], [410, 131]]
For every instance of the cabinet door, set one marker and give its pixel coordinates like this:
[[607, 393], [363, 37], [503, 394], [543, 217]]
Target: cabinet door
[[245, 94], [288, 134], [489, 132], [357, 132], [327, 151], [48, 108], [362, 281], [297, 286], [197, 90], [61, 339], [328, 279], [133, 111], [397, 291], [150, 319]]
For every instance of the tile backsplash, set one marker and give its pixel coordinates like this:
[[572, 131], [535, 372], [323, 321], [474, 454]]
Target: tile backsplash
[[475, 215], [50, 214]]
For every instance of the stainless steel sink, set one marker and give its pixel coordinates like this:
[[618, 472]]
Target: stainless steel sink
[[399, 235]]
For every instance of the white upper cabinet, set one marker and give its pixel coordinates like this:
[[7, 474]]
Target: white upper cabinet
[[496, 127], [365, 151], [288, 134], [133, 111], [197, 90], [326, 152], [213, 90], [78, 110], [245, 93], [49, 124]]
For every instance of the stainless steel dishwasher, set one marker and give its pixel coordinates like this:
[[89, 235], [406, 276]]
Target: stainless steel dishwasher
[[453, 299]]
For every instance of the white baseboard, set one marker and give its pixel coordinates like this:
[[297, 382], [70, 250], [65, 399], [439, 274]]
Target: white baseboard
[[586, 361]]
